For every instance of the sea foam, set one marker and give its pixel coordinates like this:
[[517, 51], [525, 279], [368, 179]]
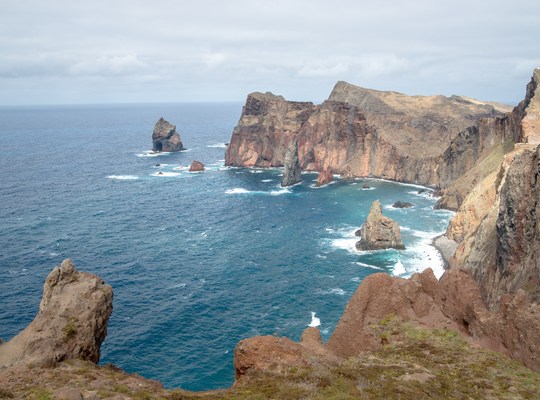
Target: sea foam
[[123, 177]]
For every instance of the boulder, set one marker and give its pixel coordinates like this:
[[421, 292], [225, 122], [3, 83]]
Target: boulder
[[402, 204], [71, 322], [196, 166], [366, 186], [291, 168], [379, 232], [324, 178], [165, 137]]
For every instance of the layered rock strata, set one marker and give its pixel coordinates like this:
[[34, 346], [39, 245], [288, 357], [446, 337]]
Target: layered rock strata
[[71, 322], [379, 232], [165, 137]]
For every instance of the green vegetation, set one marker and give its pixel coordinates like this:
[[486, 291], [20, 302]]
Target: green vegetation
[[70, 329], [414, 364]]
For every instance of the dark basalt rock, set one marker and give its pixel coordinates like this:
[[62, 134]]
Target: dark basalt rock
[[165, 137], [402, 204], [291, 168]]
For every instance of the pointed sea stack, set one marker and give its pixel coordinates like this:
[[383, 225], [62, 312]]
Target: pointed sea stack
[[379, 232], [165, 137], [291, 168], [325, 177]]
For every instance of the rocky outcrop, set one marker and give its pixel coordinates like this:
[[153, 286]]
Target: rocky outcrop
[[196, 166], [357, 133], [379, 232], [71, 322], [278, 354], [324, 178], [454, 302], [292, 173], [402, 204], [165, 137]]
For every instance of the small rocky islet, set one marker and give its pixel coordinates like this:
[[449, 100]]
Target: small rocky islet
[[414, 337]]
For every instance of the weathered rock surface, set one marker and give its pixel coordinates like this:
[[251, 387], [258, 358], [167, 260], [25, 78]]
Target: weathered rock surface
[[292, 173], [165, 137], [357, 133], [196, 166], [71, 322], [379, 232], [278, 354], [324, 178], [454, 302]]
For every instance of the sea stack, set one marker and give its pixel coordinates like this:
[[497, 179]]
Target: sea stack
[[165, 137], [379, 232], [196, 166], [324, 178], [291, 168]]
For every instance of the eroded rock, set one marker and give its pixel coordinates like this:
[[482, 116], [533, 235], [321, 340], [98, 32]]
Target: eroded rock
[[292, 173], [196, 166], [379, 232], [325, 177], [71, 322], [165, 137]]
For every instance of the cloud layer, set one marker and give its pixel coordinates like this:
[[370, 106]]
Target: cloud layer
[[139, 51]]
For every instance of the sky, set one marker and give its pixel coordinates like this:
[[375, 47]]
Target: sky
[[116, 51]]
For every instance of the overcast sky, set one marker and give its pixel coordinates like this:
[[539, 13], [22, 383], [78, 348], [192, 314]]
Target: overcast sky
[[70, 51]]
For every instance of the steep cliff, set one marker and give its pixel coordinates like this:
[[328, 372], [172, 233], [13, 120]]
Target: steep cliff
[[362, 132]]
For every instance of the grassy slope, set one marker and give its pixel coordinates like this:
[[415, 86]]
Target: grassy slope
[[415, 364]]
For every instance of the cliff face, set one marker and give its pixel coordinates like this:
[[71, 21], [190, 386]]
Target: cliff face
[[71, 322], [360, 132], [497, 226]]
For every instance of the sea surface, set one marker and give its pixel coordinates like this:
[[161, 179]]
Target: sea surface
[[197, 261]]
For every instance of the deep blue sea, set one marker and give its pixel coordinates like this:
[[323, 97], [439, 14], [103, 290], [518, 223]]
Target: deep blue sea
[[197, 261]]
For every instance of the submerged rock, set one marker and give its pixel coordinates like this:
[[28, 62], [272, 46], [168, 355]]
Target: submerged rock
[[291, 168], [71, 322], [402, 204], [196, 166], [379, 232], [165, 137]]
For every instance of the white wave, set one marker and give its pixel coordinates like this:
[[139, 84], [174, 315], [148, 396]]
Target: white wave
[[356, 279], [151, 153], [245, 191], [368, 265], [336, 291], [181, 168], [237, 191], [427, 194], [218, 146], [160, 165], [267, 180], [368, 188], [123, 177], [256, 171], [278, 192], [165, 174], [348, 244], [321, 256], [315, 322], [399, 269]]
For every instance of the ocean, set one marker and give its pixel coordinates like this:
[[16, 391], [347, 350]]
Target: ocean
[[197, 261]]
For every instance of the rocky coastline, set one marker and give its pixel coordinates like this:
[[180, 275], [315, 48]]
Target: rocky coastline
[[418, 337]]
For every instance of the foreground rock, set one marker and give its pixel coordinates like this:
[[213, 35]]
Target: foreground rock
[[325, 177], [454, 302], [71, 322], [379, 232], [165, 137], [196, 166], [292, 173]]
